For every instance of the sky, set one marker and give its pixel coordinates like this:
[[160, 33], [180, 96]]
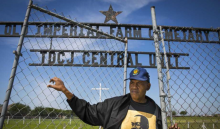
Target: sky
[[183, 13]]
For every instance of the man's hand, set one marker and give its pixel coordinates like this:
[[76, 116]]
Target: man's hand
[[175, 126], [59, 85]]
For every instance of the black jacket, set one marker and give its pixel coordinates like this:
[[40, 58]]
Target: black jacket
[[109, 113]]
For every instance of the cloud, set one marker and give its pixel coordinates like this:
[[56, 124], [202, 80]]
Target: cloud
[[42, 1], [11, 42], [91, 14], [128, 6]]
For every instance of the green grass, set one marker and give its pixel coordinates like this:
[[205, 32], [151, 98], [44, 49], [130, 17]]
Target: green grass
[[194, 122], [47, 123], [195, 119]]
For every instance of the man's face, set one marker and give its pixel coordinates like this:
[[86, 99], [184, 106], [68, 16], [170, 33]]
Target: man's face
[[138, 89]]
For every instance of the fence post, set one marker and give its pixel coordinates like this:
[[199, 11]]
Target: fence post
[[70, 120], [125, 66], [8, 120], [167, 75], [14, 67], [39, 120], [80, 126], [64, 126], [159, 69], [23, 119]]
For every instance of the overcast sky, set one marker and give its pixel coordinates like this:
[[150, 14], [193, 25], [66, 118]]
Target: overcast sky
[[183, 13]]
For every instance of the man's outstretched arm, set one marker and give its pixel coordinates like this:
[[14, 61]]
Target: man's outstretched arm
[[90, 114], [59, 86]]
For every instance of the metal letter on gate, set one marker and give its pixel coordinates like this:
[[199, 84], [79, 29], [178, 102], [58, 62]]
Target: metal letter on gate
[[7, 28], [52, 58], [59, 61]]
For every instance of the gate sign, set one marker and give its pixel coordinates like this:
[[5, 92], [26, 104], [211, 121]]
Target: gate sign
[[93, 58], [131, 31]]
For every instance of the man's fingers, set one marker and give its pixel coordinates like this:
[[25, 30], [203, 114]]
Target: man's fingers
[[50, 86], [176, 125], [52, 80]]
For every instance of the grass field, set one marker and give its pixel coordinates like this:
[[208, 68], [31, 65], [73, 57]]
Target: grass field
[[194, 123], [47, 124]]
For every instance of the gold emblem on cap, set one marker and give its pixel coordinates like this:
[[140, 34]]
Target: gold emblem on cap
[[135, 72]]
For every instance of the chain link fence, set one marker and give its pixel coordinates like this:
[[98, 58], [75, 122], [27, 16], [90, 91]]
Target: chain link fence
[[78, 62], [192, 93], [190, 83]]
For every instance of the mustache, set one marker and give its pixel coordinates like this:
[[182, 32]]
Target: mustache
[[135, 91]]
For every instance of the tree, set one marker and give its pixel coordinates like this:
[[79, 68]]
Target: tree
[[68, 113], [19, 109], [183, 113], [39, 111], [51, 112], [173, 113], [215, 115]]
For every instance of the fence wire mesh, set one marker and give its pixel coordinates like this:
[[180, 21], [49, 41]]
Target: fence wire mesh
[[194, 91], [32, 104]]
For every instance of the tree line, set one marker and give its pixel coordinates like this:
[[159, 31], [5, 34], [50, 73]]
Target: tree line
[[19, 109]]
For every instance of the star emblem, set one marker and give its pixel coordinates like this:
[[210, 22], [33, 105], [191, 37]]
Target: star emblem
[[110, 15]]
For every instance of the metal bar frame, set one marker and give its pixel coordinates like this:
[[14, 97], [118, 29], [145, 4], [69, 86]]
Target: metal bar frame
[[101, 51], [78, 24], [167, 75], [159, 69], [15, 64], [103, 37], [125, 66], [111, 24]]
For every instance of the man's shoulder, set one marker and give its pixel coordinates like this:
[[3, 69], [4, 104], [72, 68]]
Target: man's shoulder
[[118, 98], [153, 102]]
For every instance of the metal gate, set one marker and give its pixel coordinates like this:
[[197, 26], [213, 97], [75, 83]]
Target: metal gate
[[187, 62]]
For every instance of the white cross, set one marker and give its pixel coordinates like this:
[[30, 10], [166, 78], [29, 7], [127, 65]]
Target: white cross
[[203, 126], [100, 91]]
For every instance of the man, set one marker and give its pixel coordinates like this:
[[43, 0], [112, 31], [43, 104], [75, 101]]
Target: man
[[131, 111]]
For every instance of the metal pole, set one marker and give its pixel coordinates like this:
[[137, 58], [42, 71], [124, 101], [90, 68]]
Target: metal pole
[[168, 75], [100, 93], [125, 65], [14, 67], [159, 69], [100, 99]]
